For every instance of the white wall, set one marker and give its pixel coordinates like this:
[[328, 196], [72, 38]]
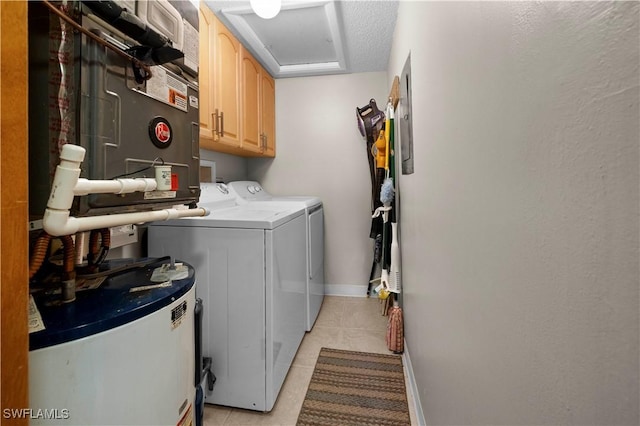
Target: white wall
[[320, 152], [228, 167], [520, 224]]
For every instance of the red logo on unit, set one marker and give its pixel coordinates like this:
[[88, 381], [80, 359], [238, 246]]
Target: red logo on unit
[[160, 132], [163, 132]]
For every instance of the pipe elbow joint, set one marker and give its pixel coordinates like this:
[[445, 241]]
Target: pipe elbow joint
[[58, 223]]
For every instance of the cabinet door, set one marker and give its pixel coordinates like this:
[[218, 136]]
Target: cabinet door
[[227, 86], [268, 114], [205, 74], [251, 74]]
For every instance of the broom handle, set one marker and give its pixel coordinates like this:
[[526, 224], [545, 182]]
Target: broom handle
[[392, 156]]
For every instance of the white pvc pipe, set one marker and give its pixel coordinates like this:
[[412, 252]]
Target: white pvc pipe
[[115, 186], [67, 184], [58, 222], [66, 177]]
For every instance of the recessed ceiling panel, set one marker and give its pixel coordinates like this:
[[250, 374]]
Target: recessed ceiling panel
[[296, 36], [299, 40], [304, 38]]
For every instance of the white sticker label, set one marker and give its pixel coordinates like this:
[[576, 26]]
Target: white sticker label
[[166, 88], [35, 320], [177, 314], [193, 101], [156, 195], [190, 46]]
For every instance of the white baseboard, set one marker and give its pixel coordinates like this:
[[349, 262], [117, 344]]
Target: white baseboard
[[417, 406], [345, 290]]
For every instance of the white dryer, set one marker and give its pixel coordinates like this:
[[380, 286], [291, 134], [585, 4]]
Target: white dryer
[[251, 191], [250, 264]]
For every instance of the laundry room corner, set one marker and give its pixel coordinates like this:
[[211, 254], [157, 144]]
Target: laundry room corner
[[330, 162], [227, 167]]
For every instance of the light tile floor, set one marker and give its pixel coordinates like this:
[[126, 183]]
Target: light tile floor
[[350, 323]]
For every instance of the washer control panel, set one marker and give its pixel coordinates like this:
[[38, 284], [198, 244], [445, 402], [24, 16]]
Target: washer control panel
[[249, 191], [254, 189], [215, 192]]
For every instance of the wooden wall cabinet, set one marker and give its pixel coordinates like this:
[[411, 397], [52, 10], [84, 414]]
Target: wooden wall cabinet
[[251, 129], [268, 114], [237, 95], [226, 87], [258, 107]]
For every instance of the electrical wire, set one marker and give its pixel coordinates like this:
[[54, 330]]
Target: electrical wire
[[141, 170]]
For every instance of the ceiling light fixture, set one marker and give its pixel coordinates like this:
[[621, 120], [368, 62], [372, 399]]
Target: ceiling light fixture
[[266, 9]]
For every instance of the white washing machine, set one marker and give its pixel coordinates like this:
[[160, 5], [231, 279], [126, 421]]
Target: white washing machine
[[251, 271], [251, 191]]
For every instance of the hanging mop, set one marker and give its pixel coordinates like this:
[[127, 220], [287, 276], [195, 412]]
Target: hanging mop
[[394, 269], [395, 326]]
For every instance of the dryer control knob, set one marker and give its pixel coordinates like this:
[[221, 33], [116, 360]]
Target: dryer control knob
[[258, 188], [251, 189], [223, 188]]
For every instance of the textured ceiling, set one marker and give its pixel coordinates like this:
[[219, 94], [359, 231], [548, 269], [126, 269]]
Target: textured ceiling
[[358, 33], [368, 32]]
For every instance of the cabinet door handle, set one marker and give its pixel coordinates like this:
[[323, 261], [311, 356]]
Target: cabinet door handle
[[214, 117], [221, 124]]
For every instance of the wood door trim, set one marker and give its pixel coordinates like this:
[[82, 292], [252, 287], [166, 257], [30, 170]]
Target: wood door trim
[[14, 197]]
